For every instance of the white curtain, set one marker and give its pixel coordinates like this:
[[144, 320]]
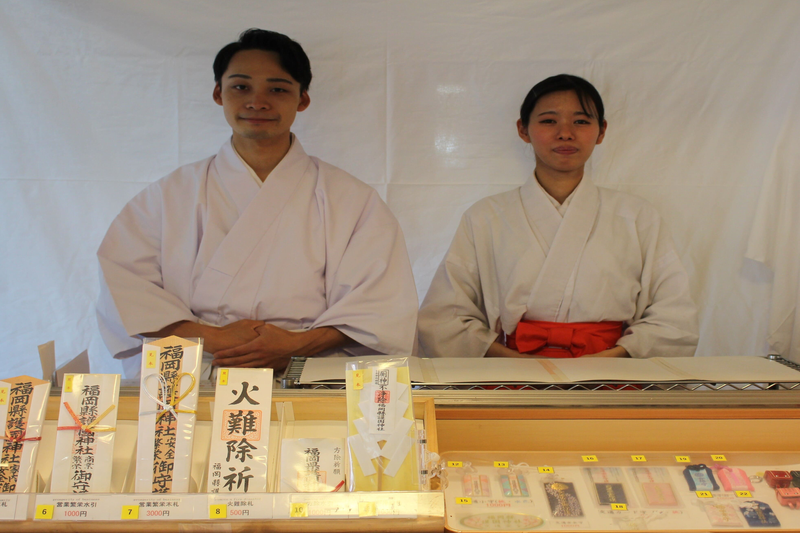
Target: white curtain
[[418, 99]]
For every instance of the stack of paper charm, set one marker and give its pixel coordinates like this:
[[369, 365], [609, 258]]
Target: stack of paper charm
[[87, 422], [381, 429], [312, 465], [167, 412], [22, 405], [240, 432]]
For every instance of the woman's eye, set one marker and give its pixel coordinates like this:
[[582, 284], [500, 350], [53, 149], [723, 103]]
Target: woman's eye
[[240, 87], [547, 121], [279, 90], [581, 121]]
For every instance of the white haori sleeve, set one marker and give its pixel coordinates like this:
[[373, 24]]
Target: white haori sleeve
[[665, 323], [132, 295], [453, 319], [369, 285]]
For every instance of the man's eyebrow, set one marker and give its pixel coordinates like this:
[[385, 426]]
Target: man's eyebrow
[[271, 80]]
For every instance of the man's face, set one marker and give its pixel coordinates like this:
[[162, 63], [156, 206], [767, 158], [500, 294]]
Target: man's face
[[259, 98]]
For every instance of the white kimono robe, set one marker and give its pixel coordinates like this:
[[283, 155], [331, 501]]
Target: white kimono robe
[[514, 257], [312, 247]]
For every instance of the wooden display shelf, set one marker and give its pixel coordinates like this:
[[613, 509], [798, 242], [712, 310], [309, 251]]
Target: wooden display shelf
[[388, 525], [307, 407], [610, 422], [592, 422], [619, 429]]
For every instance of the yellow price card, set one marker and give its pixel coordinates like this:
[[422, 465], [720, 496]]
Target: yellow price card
[[619, 507], [44, 512], [218, 511], [501, 464], [683, 459], [704, 494], [298, 510], [589, 458], [68, 379], [743, 494], [150, 359], [464, 501], [130, 512], [223, 376], [639, 458], [719, 458], [546, 470], [367, 509], [3, 395], [358, 379], [454, 464]]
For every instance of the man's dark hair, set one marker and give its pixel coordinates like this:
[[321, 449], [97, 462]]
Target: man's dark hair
[[290, 54], [590, 100]]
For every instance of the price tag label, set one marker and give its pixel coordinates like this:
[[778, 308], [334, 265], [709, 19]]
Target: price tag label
[[358, 379], [589, 458], [3, 395], [718, 458], [683, 459], [44, 512], [151, 357], [168, 506], [298, 510], [367, 509], [8, 506], [501, 464], [454, 464], [743, 494], [639, 458], [223, 376], [464, 501], [253, 506], [704, 494], [619, 506], [68, 379], [546, 470], [72, 507], [130, 512]]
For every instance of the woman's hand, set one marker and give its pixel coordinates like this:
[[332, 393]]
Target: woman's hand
[[498, 347], [498, 350], [616, 351]]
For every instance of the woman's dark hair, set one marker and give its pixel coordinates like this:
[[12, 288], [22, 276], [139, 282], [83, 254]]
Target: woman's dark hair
[[290, 54], [588, 96]]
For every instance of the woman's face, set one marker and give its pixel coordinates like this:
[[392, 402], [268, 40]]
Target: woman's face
[[563, 136]]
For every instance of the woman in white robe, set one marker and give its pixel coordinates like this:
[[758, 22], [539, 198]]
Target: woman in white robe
[[550, 262]]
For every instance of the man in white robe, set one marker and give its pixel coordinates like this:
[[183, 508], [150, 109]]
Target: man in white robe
[[601, 255], [309, 262]]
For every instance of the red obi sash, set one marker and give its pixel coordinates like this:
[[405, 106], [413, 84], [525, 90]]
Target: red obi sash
[[564, 339]]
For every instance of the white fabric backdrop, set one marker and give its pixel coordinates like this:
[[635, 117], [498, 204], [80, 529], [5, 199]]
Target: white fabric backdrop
[[419, 99]]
